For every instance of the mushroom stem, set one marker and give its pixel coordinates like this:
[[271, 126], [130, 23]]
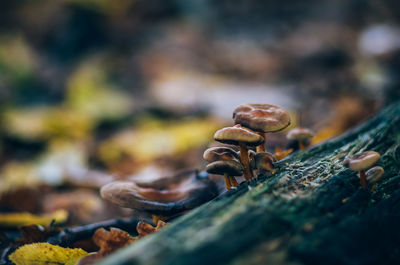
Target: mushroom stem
[[227, 181], [157, 218], [301, 145], [244, 158], [261, 148], [363, 179], [233, 181]]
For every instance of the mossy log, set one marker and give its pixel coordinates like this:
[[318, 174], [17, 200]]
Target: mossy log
[[311, 211]]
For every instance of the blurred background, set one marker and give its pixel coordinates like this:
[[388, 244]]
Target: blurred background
[[91, 90]]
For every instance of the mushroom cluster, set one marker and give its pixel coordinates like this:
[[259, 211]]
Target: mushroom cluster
[[363, 163], [252, 122]]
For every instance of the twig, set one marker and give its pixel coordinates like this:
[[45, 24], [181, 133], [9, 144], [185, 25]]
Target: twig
[[71, 235]]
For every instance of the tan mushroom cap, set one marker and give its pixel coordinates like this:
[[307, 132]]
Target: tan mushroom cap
[[362, 161], [261, 117], [236, 134], [220, 153], [374, 174], [300, 134], [128, 194], [230, 167]]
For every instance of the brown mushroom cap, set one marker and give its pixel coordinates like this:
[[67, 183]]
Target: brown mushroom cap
[[374, 174], [261, 117], [264, 161], [300, 134], [220, 153], [236, 134], [164, 200], [230, 167], [362, 161]]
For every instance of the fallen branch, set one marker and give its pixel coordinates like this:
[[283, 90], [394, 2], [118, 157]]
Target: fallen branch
[[311, 211]]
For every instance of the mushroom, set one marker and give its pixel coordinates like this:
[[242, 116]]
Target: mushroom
[[160, 181], [225, 154], [166, 199], [361, 163], [300, 135], [220, 153], [261, 118], [243, 137], [227, 168], [264, 162], [374, 175]]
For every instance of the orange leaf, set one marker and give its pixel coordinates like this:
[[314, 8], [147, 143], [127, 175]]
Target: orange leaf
[[280, 154]]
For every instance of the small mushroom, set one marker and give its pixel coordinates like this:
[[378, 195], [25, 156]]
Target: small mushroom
[[262, 118], [361, 163], [264, 162], [243, 137], [300, 135], [228, 168], [374, 175], [222, 153], [166, 199]]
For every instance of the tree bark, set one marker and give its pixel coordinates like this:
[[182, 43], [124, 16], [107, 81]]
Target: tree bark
[[311, 211]]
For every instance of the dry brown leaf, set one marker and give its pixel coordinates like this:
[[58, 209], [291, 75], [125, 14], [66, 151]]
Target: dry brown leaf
[[145, 229], [109, 241]]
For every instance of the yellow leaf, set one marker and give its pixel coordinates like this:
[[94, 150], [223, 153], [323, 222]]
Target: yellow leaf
[[91, 93], [22, 219], [14, 175], [280, 154], [155, 138], [41, 123], [45, 254]]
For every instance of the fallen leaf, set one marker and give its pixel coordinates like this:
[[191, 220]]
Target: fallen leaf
[[153, 139], [145, 229], [280, 154], [16, 174], [45, 253], [24, 218], [109, 241], [24, 199]]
